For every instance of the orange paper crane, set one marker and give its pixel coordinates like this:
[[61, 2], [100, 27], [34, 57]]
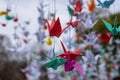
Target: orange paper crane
[[91, 5], [55, 28]]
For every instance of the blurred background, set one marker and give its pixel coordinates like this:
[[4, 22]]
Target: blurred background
[[25, 40]]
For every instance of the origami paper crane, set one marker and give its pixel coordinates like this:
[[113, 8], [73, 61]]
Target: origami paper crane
[[89, 23], [106, 3], [82, 16], [25, 40], [94, 17], [26, 33], [55, 62], [90, 39], [15, 19], [4, 24], [77, 7], [97, 47], [49, 41], [55, 28], [71, 60], [41, 19], [90, 59], [3, 13], [16, 36], [91, 5], [69, 54], [40, 35], [8, 17], [104, 37], [114, 30]]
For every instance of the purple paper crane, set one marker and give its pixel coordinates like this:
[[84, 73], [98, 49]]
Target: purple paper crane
[[69, 65]]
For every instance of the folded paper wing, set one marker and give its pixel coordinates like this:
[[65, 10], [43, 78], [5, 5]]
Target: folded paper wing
[[69, 54], [73, 23], [100, 4], [55, 63], [88, 23], [68, 66], [106, 3], [71, 11], [108, 25], [78, 68], [118, 29]]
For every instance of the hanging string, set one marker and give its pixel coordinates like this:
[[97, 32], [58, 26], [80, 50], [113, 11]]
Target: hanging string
[[54, 43], [9, 5], [49, 16], [54, 17], [53, 14], [54, 8], [114, 8], [70, 18]]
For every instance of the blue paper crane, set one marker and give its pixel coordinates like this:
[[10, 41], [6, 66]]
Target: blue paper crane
[[106, 3]]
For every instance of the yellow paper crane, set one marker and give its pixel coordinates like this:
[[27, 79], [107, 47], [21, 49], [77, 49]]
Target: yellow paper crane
[[49, 41], [3, 13]]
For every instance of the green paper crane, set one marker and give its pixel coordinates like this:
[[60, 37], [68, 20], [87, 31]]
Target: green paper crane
[[114, 30], [9, 17], [55, 62], [71, 11]]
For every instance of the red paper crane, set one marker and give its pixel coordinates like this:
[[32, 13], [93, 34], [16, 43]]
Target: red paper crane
[[73, 23], [91, 5], [25, 40], [104, 37], [69, 54], [71, 58], [55, 27], [78, 7]]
